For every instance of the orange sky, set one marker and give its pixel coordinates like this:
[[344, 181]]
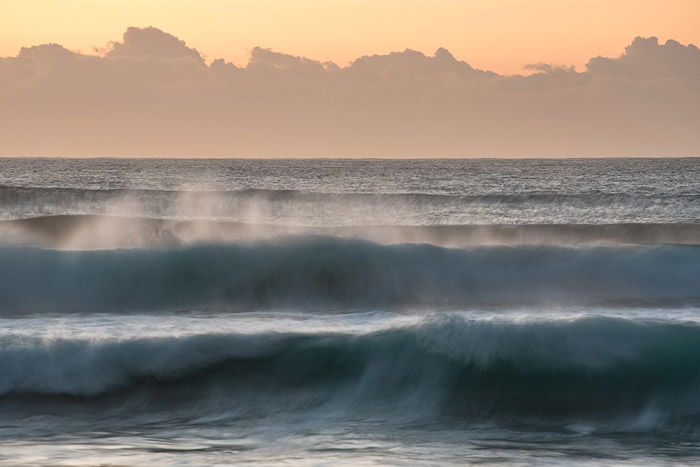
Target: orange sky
[[499, 35]]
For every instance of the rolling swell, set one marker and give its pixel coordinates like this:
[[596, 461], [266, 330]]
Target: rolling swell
[[323, 207], [72, 196], [641, 375], [102, 232], [333, 272]]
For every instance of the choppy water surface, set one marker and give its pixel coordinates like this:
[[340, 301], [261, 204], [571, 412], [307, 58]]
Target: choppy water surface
[[350, 312]]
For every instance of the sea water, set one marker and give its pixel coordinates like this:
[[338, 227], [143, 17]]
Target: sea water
[[349, 312]]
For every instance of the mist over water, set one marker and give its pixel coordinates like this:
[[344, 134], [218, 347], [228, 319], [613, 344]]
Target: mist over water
[[350, 312]]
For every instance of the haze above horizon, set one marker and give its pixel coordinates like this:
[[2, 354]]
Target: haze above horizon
[[502, 36], [350, 78]]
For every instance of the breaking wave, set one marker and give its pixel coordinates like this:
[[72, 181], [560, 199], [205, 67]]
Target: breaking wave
[[334, 272], [597, 369]]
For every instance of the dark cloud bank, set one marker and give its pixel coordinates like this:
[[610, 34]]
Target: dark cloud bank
[[151, 95]]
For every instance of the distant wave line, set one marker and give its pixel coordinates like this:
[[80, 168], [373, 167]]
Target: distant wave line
[[85, 231]]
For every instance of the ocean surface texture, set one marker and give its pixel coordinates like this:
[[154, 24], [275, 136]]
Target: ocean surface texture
[[350, 312]]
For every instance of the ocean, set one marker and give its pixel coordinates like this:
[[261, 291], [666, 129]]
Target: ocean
[[350, 312]]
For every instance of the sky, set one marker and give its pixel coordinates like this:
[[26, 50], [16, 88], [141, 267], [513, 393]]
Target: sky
[[349, 78], [498, 35]]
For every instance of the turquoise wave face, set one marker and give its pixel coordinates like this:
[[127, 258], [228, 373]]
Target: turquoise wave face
[[609, 371], [341, 273]]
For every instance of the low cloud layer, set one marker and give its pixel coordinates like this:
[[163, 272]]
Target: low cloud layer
[[149, 94]]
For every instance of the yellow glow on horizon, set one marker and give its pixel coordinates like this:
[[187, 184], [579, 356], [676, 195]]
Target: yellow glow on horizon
[[498, 35]]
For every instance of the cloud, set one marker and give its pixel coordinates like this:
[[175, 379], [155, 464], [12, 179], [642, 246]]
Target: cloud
[[411, 64], [549, 68], [151, 94], [645, 58], [260, 57], [151, 43]]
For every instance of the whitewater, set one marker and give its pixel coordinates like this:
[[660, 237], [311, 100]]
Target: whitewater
[[350, 312]]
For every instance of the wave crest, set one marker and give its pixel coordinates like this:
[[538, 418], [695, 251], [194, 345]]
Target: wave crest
[[558, 371], [323, 271]]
